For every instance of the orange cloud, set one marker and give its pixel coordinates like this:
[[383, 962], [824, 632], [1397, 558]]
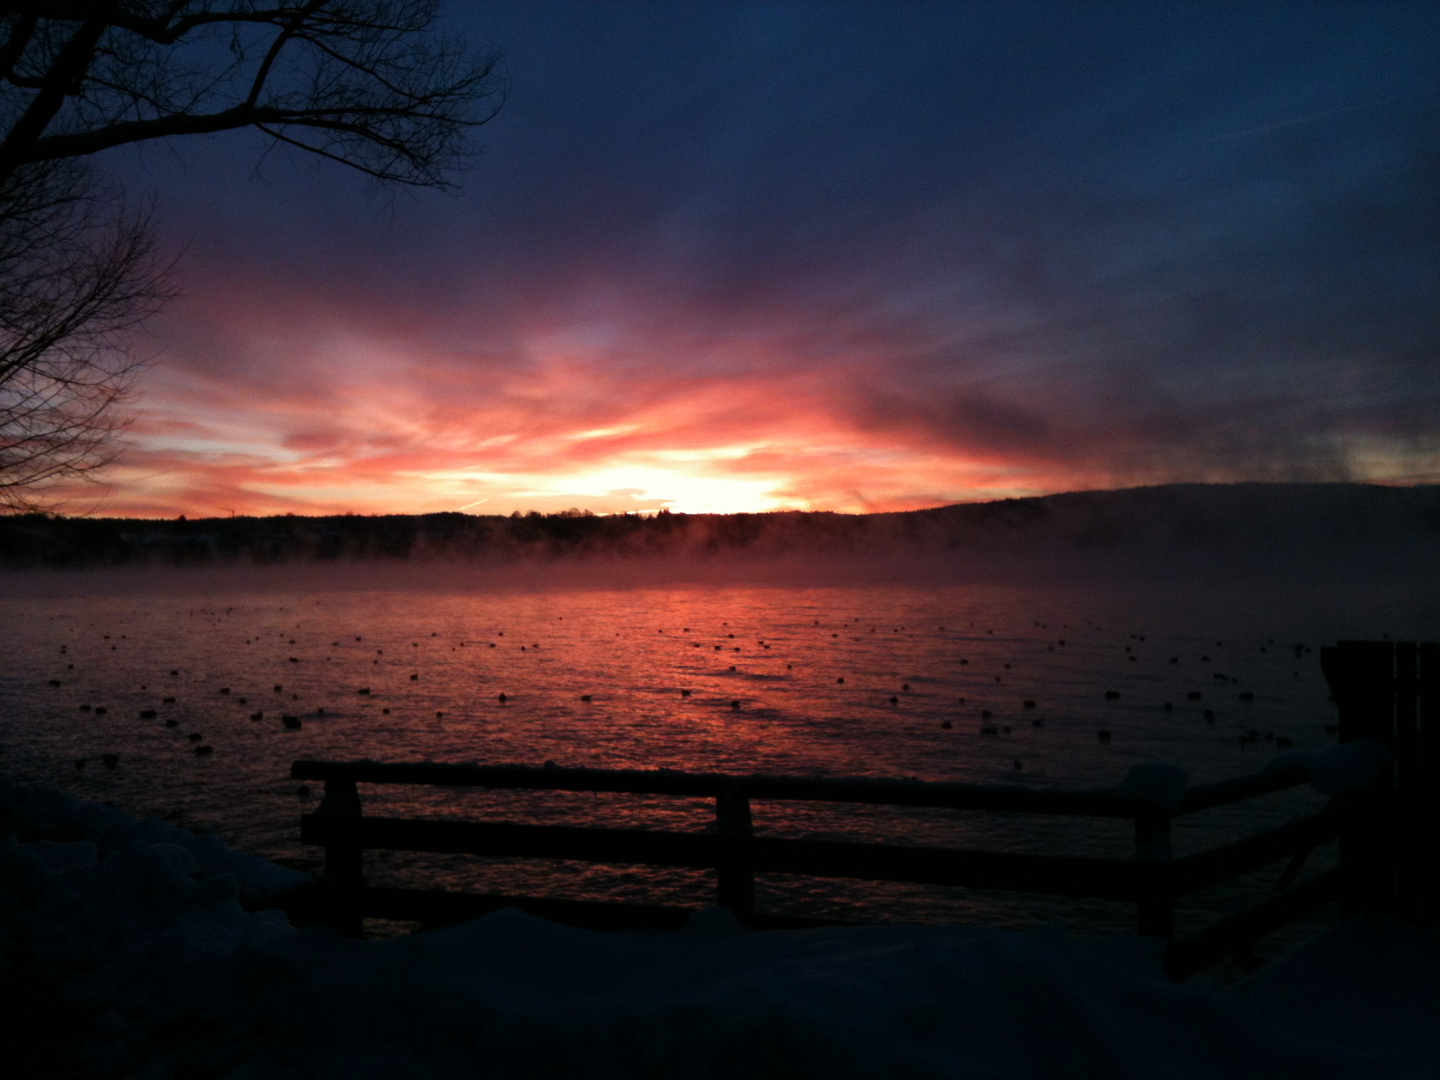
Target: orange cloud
[[274, 398]]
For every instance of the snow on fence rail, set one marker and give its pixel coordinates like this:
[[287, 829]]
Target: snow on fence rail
[[1383, 809]]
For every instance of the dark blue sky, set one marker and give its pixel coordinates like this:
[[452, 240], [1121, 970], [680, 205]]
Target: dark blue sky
[[833, 256]]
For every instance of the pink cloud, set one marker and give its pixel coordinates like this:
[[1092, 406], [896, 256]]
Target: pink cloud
[[277, 396]]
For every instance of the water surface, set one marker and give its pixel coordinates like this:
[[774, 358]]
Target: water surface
[[976, 683]]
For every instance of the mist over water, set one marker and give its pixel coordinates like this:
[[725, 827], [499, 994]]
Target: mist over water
[[795, 680]]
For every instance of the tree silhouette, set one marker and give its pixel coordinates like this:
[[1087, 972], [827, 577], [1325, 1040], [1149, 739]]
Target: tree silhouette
[[77, 275], [372, 84]]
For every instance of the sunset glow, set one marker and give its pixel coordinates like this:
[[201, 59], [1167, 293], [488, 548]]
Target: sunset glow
[[702, 447], [1038, 255]]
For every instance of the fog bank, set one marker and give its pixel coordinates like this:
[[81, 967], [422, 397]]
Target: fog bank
[[1191, 531]]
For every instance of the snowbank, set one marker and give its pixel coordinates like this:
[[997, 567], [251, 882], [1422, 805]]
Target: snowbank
[[1370, 980], [32, 812], [1351, 766], [126, 951]]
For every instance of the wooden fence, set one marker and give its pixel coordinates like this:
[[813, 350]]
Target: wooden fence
[[1387, 833], [1152, 880]]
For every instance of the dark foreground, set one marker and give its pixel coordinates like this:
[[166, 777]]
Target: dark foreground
[[129, 951]]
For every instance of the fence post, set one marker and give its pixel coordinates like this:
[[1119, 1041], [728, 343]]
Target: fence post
[[344, 861], [1155, 906], [734, 869], [1361, 675], [1418, 837]]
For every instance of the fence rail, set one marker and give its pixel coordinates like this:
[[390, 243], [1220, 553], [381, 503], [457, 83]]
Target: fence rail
[[914, 793], [1387, 832]]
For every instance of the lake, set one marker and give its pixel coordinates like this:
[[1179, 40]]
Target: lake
[[893, 679]]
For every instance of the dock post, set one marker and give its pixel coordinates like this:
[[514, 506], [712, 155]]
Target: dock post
[[344, 861], [1415, 825], [1155, 906], [1423, 798], [734, 869], [1362, 682]]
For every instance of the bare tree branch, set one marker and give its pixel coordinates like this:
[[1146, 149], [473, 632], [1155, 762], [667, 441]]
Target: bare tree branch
[[78, 274], [84, 77], [370, 84]]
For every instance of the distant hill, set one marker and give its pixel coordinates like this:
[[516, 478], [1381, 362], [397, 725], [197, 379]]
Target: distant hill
[[1213, 523]]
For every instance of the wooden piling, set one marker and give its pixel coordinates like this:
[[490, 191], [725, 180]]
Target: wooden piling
[[1390, 691], [1422, 834]]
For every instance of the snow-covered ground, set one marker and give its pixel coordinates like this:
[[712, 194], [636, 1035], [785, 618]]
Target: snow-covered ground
[[127, 951]]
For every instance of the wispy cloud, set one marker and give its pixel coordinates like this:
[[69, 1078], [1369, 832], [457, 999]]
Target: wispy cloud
[[835, 259]]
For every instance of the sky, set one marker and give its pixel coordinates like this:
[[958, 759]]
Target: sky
[[843, 256]]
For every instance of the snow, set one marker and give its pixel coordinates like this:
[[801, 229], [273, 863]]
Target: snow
[[1163, 785], [41, 811], [1350, 766], [137, 958], [1372, 979]]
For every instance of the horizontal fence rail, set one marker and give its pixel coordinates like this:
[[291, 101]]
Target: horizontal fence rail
[[914, 793], [1116, 879]]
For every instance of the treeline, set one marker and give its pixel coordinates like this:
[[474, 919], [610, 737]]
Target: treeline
[[36, 540], [1279, 520]]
